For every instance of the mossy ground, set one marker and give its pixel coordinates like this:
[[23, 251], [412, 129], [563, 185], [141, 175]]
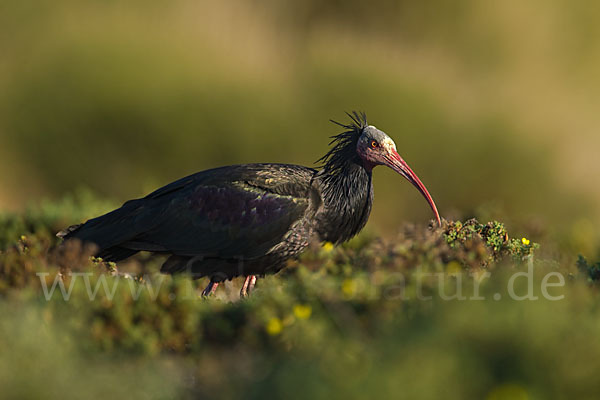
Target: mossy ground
[[426, 314]]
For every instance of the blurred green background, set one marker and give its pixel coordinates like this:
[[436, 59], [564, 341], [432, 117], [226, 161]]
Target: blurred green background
[[493, 104]]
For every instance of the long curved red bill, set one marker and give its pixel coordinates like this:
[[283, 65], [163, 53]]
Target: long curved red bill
[[396, 163]]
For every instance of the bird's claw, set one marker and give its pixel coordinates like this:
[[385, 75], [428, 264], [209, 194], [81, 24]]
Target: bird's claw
[[248, 286], [210, 288]]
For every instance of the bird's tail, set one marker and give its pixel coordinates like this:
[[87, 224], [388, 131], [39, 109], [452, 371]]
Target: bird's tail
[[67, 231], [108, 232]]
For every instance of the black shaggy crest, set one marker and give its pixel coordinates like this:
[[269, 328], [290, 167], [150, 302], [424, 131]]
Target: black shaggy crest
[[344, 144]]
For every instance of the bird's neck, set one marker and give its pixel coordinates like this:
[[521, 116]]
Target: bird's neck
[[347, 195]]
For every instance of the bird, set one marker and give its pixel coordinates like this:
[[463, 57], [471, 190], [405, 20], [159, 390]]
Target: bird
[[248, 220]]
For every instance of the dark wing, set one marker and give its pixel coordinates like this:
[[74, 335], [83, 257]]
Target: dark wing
[[237, 211]]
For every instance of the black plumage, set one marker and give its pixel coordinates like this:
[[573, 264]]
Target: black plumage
[[247, 220]]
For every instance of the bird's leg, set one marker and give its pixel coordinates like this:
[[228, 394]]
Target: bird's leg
[[210, 288], [248, 286]]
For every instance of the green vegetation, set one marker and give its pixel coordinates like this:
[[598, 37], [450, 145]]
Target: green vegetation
[[494, 105], [591, 269], [414, 314]]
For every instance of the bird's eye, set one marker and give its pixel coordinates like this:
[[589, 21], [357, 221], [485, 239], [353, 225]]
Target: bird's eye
[[374, 144]]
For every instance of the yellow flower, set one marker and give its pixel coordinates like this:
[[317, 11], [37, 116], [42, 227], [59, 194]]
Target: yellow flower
[[525, 241], [328, 246], [348, 287], [302, 311], [274, 326]]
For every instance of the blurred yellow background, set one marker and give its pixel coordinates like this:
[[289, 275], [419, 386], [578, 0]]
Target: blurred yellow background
[[494, 104]]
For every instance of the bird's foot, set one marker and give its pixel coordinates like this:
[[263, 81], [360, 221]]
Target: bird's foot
[[248, 286], [210, 288]]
